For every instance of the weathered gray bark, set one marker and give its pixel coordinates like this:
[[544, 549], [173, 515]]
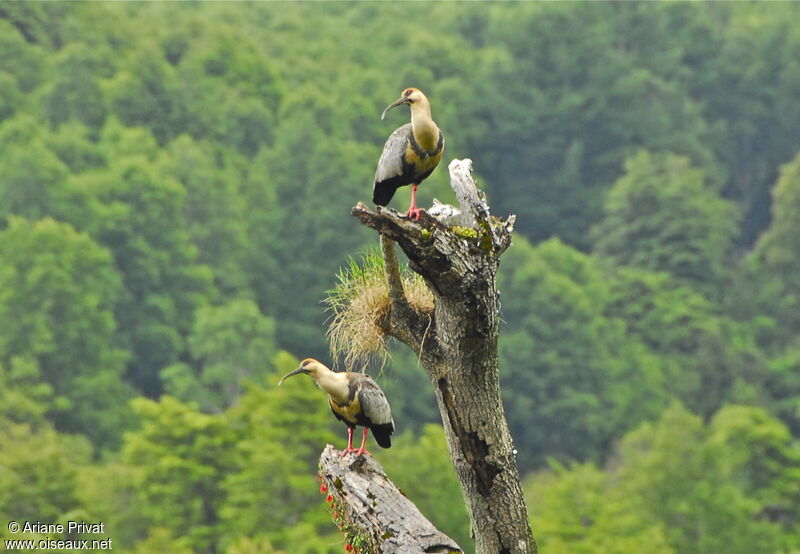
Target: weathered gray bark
[[457, 346], [372, 510]]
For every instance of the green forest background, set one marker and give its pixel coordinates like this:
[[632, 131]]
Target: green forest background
[[175, 187]]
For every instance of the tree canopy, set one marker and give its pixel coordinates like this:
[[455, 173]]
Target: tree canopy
[[175, 182]]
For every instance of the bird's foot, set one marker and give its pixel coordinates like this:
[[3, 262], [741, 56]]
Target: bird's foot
[[356, 451], [413, 213]]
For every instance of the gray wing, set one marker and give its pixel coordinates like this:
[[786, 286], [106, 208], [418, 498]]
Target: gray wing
[[391, 162], [374, 403]]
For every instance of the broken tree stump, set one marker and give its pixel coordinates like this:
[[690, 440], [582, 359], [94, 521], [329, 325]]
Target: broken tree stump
[[374, 515]]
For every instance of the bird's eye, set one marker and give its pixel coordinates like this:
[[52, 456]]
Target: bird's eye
[[408, 92]]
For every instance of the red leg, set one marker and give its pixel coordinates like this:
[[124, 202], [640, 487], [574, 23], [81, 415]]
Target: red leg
[[349, 443], [413, 211], [363, 450]]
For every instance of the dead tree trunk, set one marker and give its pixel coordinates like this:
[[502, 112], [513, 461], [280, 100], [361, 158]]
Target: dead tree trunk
[[458, 255], [374, 515]]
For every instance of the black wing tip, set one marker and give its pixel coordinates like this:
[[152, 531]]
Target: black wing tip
[[383, 434], [382, 195]]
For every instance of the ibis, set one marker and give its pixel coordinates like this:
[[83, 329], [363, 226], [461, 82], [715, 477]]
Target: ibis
[[355, 399], [410, 154]]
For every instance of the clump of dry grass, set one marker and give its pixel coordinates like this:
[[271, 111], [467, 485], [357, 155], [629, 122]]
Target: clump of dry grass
[[358, 301]]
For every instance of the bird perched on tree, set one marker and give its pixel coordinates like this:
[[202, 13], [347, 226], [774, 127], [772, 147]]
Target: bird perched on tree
[[410, 154], [355, 399]]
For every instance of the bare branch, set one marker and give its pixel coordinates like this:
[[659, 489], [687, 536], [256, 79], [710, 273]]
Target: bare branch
[[472, 201], [392, 268]]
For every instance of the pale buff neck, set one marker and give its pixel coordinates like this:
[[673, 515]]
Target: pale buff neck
[[335, 384], [426, 133]]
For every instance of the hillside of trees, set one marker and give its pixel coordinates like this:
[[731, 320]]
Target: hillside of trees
[[175, 187]]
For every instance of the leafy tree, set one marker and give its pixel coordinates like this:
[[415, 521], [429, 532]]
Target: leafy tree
[[164, 166], [160, 539], [228, 345], [706, 357], [119, 141], [38, 24], [76, 92], [24, 397], [21, 59], [57, 313], [215, 209], [149, 94], [575, 88], [33, 177], [253, 546], [575, 511], [10, 95], [749, 84], [183, 455], [110, 492], [764, 459], [678, 483], [767, 295], [238, 82], [663, 216], [261, 220], [573, 379], [139, 215], [671, 472], [38, 481], [74, 145], [782, 384], [773, 262], [312, 235]]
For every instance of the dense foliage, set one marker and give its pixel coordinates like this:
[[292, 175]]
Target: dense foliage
[[175, 181]]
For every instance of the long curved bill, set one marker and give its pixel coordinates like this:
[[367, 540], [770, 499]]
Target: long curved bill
[[295, 372], [394, 104]]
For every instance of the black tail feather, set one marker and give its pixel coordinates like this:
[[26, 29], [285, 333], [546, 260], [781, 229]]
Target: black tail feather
[[383, 193], [383, 434]]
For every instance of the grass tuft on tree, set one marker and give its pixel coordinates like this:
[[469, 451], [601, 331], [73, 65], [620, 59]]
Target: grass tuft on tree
[[359, 301]]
